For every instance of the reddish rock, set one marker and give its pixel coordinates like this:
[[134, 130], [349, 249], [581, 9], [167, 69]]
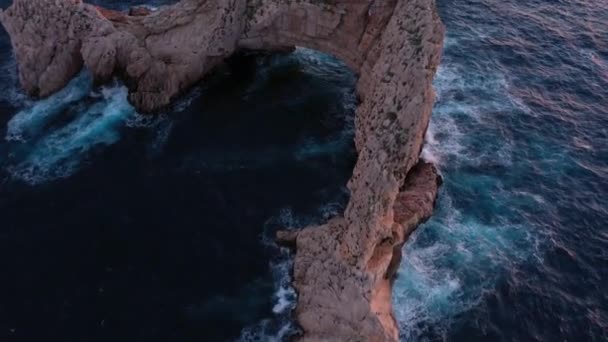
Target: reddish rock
[[112, 15], [139, 11], [287, 238]]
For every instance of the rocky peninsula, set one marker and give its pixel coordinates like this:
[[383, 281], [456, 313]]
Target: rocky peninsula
[[343, 269]]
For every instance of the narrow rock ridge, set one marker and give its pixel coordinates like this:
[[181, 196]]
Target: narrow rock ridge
[[337, 302], [343, 268]]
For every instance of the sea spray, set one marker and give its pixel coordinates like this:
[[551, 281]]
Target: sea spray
[[281, 327], [471, 241], [29, 122], [59, 151]]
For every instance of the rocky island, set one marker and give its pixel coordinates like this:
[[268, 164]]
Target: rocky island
[[343, 269]]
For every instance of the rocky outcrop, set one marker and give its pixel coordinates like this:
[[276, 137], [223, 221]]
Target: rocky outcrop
[[159, 55], [343, 268], [338, 302]]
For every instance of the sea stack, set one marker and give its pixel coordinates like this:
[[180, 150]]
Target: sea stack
[[343, 269]]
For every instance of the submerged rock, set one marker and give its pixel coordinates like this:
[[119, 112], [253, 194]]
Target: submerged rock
[[343, 268]]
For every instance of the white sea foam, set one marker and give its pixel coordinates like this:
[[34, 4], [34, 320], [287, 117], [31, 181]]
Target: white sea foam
[[285, 295], [281, 326], [455, 258], [29, 122], [460, 112], [449, 264], [265, 331], [58, 152]]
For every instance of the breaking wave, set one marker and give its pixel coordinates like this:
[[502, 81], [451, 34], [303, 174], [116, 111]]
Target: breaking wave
[[29, 122], [459, 255], [281, 327], [54, 136]]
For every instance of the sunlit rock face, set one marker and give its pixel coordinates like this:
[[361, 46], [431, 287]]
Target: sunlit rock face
[[343, 268]]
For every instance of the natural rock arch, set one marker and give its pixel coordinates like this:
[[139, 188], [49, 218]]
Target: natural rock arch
[[343, 269]]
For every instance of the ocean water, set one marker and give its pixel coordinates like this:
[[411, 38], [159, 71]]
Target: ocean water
[[118, 226], [517, 249]]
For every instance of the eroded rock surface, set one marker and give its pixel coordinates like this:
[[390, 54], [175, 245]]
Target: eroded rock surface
[[343, 268], [338, 302]]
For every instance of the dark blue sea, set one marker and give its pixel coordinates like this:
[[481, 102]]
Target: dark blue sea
[[120, 227]]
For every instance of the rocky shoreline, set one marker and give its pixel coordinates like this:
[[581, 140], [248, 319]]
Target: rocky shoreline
[[344, 268], [337, 302]]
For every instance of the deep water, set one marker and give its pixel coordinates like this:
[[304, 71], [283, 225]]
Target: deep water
[[518, 247], [121, 227], [117, 226]]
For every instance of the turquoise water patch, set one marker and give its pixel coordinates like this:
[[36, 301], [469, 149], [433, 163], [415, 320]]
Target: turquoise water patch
[[26, 124], [53, 136]]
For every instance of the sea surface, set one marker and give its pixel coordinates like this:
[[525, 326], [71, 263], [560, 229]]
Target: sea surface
[[517, 249], [116, 226]]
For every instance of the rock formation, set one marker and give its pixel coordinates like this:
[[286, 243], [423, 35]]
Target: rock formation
[[343, 268], [339, 302]]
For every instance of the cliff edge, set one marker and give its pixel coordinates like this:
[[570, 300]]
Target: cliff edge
[[343, 269]]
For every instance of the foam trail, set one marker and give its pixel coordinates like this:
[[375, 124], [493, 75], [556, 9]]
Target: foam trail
[[29, 122], [449, 264], [281, 327], [460, 253], [59, 154]]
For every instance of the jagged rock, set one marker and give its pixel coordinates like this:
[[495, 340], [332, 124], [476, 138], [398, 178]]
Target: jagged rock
[[337, 300], [343, 268], [112, 15], [287, 238], [139, 11]]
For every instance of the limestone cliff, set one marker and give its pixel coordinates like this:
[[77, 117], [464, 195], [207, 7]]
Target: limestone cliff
[[343, 268]]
